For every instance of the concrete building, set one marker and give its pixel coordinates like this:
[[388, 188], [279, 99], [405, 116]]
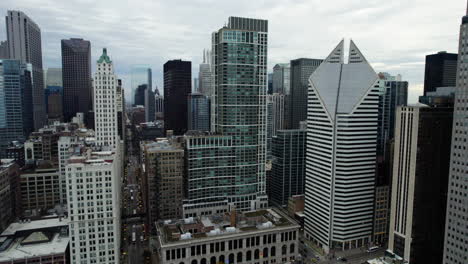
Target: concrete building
[[40, 187], [15, 151], [77, 82], [456, 230], [440, 71], [177, 87], [43, 241], [164, 169], [198, 112], [16, 103], [419, 184], [301, 70], [106, 88], [288, 165], [94, 201], [24, 44], [10, 206], [238, 106], [264, 236], [341, 151]]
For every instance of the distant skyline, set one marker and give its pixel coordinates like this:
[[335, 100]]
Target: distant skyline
[[395, 35]]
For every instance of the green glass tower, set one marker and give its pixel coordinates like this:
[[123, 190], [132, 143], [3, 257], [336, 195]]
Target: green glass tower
[[239, 63]]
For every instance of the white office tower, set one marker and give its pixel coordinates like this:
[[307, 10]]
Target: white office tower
[[456, 227], [105, 102], [93, 183], [341, 151]]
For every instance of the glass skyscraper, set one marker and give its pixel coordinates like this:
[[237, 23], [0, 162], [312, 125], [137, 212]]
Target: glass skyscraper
[[16, 97], [239, 105], [141, 75]]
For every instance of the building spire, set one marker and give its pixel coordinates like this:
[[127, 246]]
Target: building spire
[[104, 57]]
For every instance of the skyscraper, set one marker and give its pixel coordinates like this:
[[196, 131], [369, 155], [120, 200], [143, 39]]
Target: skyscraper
[[140, 95], [177, 87], [16, 113], [275, 117], [341, 151], [53, 93], [76, 72], [456, 229], [419, 185], [301, 69], [205, 76], [198, 112], [141, 75], [288, 165], [24, 44], [281, 78], [441, 71], [4, 50], [150, 114], [394, 92], [239, 105], [105, 102]]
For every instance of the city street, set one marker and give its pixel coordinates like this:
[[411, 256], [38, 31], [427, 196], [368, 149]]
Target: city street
[[135, 237]]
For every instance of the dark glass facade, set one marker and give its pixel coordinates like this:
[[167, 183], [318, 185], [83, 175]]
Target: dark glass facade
[[177, 87], [440, 71], [288, 165], [76, 72], [140, 95], [301, 69], [198, 112], [16, 96]]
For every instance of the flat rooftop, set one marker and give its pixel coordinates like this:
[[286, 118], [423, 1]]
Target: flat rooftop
[[34, 245], [204, 227], [35, 225]]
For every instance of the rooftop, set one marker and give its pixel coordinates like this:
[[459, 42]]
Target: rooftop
[[42, 247], [28, 225], [189, 229]]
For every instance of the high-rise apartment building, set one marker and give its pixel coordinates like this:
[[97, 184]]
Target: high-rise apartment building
[[94, 190], [288, 165], [441, 71], [419, 182], [177, 87], [164, 163], [16, 100], [239, 105], [301, 69], [205, 76], [105, 102], [341, 151], [24, 44], [76, 72], [456, 229], [198, 112]]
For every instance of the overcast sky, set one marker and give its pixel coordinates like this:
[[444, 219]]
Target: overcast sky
[[394, 35]]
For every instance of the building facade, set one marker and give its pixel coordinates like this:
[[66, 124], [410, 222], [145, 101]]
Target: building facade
[[4, 50], [24, 44], [10, 206], [239, 104], [16, 101], [94, 201], [341, 151], [177, 87], [222, 238], [288, 165], [275, 117], [455, 245], [419, 184], [440, 71], [301, 70], [164, 165], [198, 112], [53, 94], [105, 102], [141, 75], [281, 78], [205, 76], [76, 72]]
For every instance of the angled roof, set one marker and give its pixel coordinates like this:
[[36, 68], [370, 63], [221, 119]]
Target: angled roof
[[342, 86], [104, 57]]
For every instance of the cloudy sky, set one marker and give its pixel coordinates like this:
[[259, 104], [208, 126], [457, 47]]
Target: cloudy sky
[[394, 35]]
